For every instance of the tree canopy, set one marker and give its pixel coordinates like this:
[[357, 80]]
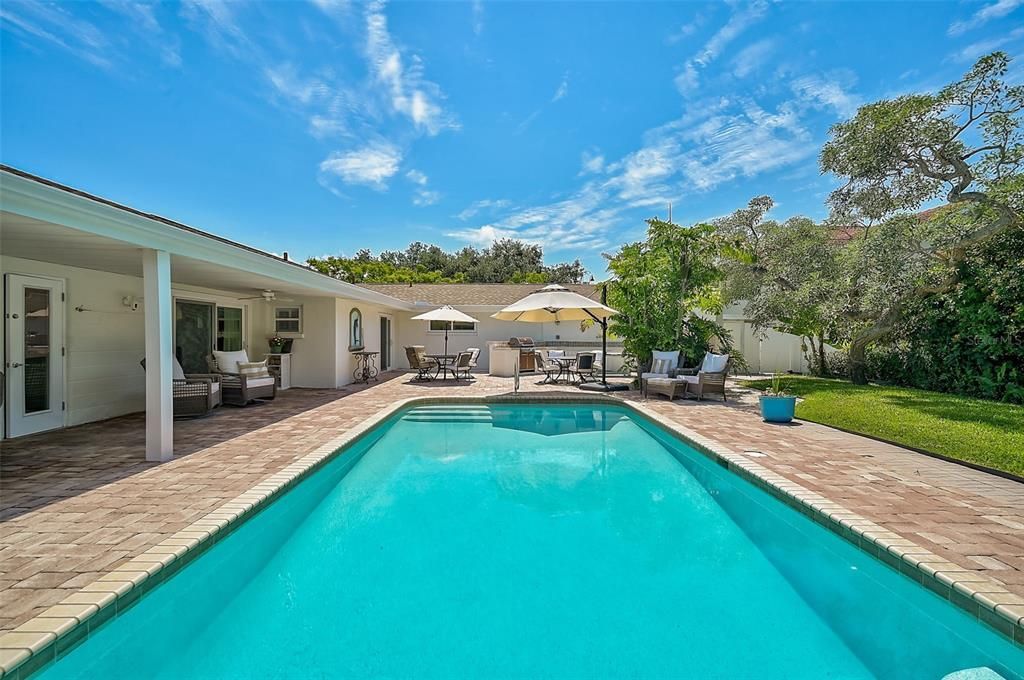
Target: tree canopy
[[505, 261]]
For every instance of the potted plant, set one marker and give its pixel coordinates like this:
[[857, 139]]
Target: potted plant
[[776, 405], [276, 344]]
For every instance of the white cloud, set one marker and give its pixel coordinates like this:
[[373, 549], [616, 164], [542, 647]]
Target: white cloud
[[751, 57], [217, 21], [996, 10], [52, 24], [373, 165], [287, 82], [416, 177], [424, 197], [591, 162], [688, 78], [563, 89], [407, 91], [479, 206], [477, 8], [686, 30], [483, 236], [827, 92], [983, 47]]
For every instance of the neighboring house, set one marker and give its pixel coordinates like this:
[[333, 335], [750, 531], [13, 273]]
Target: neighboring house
[[91, 287]]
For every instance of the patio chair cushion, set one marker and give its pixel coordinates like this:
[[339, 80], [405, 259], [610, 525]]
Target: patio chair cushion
[[692, 379], [671, 360], [661, 366], [555, 353], [214, 387], [260, 382], [714, 363], [176, 372], [253, 369], [227, 362]]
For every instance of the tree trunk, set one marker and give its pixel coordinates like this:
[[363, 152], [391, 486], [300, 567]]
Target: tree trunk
[[858, 346], [823, 369]]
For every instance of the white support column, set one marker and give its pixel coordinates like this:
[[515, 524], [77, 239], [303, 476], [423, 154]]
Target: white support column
[[156, 273]]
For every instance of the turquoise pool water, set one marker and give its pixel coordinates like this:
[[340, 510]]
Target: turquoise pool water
[[533, 542]]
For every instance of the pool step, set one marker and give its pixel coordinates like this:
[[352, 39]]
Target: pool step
[[448, 414]]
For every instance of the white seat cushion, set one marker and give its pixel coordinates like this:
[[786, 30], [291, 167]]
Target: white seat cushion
[[227, 362], [259, 382], [177, 373], [553, 353], [692, 379], [214, 388], [714, 363], [648, 376]]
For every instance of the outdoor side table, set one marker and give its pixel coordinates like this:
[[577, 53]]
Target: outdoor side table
[[366, 366]]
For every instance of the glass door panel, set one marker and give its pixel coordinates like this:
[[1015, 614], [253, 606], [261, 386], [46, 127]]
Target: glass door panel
[[37, 349], [193, 334], [229, 329]]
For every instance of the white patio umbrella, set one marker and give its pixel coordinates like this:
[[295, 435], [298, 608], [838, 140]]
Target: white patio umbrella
[[558, 303], [446, 313]]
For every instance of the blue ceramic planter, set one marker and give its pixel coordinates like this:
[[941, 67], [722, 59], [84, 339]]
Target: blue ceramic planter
[[777, 409]]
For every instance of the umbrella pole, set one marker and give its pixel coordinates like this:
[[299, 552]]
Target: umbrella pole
[[603, 386]]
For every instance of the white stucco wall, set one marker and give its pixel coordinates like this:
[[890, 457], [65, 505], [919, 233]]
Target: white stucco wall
[[103, 377]]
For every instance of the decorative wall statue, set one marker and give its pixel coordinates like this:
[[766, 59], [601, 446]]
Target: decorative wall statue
[[355, 329]]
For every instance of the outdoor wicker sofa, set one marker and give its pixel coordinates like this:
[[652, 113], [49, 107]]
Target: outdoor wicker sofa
[[708, 379]]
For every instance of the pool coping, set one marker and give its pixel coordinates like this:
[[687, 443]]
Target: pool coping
[[59, 629]]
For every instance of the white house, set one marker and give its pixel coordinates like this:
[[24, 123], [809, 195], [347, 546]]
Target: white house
[[91, 287]]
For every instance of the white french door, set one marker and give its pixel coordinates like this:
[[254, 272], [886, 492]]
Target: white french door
[[34, 316]]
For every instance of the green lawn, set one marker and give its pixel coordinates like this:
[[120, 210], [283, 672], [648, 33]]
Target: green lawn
[[975, 430]]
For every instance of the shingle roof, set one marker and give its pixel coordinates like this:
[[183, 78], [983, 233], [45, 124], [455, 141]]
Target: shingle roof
[[455, 294]]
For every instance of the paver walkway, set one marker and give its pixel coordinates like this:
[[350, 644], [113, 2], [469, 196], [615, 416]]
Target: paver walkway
[[77, 503]]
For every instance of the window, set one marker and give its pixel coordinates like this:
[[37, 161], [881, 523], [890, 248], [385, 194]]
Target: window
[[453, 326], [229, 329], [287, 320]]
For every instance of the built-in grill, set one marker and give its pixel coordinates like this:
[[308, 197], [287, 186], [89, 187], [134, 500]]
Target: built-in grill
[[527, 359]]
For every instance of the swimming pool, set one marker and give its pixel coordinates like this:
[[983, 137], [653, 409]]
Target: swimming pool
[[568, 541]]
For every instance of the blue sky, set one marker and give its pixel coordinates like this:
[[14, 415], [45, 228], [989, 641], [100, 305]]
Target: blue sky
[[329, 126]]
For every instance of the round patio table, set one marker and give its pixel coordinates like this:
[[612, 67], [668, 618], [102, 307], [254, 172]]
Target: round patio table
[[444, 363], [565, 365]]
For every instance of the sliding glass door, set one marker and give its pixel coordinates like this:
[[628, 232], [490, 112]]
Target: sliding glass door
[[193, 334]]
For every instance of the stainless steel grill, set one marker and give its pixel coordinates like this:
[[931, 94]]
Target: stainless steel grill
[[526, 343]]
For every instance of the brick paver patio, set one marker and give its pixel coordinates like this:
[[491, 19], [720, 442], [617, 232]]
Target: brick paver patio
[[78, 503]]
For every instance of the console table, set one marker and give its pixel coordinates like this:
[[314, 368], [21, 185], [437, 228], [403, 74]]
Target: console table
[[366, 366]]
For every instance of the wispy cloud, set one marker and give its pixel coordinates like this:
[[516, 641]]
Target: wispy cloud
[[563, 89], [218, 22], [739, 21], [409, 92], [828, 92], [477, 9], [753, 56], [591, 162], [142, 16], [996, 10], [52, 24], [983, 47], [686, 30], [473, 209], [371, 165]]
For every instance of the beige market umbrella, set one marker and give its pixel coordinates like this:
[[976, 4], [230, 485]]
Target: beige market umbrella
[[558, 303], [446, 313]]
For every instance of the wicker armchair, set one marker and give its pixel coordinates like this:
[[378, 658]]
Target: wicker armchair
[[424, 366], [700, 381], [194, 394], [241, 390]]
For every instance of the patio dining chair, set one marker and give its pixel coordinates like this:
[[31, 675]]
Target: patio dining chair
[[462, 366], [586, 364], [420, 362], [545, 365], [475, 352], [243, 381], [193, 394]]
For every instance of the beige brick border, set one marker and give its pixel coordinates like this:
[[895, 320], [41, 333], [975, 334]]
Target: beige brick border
[[63, 626]]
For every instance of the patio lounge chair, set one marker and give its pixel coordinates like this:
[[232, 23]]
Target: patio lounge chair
[[194, 394], [462, 365], [710, 378], [420, 362], [241, 384]]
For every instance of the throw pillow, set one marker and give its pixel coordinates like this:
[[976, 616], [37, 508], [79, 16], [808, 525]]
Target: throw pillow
[[227, 362], [253, 369]]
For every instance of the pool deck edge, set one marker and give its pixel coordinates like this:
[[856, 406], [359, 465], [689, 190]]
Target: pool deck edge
[[59, 629]]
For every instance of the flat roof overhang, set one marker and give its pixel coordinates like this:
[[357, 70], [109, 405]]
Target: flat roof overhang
[[44, 221]]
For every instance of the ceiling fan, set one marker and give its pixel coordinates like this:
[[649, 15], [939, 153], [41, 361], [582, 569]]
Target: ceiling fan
[[267, 295]]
